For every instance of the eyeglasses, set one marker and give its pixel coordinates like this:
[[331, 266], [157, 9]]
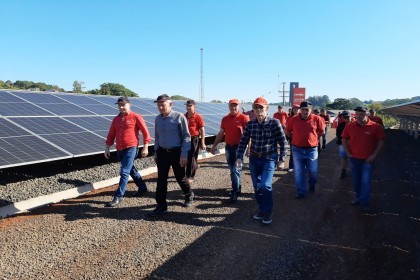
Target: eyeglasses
[[257, 107], [233, 105]]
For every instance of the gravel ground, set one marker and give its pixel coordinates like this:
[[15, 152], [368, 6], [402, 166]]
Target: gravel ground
[[319, 237]]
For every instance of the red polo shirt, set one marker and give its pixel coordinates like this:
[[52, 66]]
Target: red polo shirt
[[305, 132], [195, 122], [125, 130], [326, 117], [282, 117], [363, 139], [234, 126], [376, 119]]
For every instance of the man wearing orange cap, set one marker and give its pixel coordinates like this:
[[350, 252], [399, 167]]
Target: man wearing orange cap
[[265, 134], [232, 128]]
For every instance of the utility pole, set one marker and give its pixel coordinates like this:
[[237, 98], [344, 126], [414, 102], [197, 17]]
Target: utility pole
[[283, 92], [201, 78]]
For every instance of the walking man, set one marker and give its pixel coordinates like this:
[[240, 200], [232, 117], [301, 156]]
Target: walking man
[[326, 118], [172, 143], [362, 141], [232, 128], [305, 129], [282, 116], [265, 134], [125, 129], [196, 129]]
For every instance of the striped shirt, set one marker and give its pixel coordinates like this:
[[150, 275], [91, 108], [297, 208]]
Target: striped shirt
[[264, 138]]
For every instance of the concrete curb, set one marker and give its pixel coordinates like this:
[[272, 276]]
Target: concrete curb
[[36, 202]]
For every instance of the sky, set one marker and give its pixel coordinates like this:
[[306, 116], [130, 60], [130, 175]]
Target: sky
[[367, 49]]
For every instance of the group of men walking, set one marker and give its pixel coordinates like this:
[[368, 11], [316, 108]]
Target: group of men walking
[[179, 137]]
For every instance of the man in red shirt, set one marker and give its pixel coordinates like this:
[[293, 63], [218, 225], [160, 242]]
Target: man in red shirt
[[281, 116], [305, 129], [375, 118], [232, 128], [125, 129], [362, 141], [196, 128]]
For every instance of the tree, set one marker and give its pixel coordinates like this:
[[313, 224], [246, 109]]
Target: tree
[[319, 101], [113, 89], [179, 97], [340, 104], [78, 86], [354, 102]]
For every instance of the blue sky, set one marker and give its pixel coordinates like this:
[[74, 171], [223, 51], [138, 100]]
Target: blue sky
[[368, 49]]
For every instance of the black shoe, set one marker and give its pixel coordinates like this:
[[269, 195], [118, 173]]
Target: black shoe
[[323, 146], [189, 198], [239, 190], [312, 188], [140, 193], [267, 218], [366, 210], [233, 196], [343, 174], [300, 196], [117, 200], [258, 216], [158, 211]]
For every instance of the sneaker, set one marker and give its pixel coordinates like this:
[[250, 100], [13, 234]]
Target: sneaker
[[355, 202], [312, 188], [290, 170], [140, 192], [189, 198], [324, 147], [267, 218], [159, 210], [258, 216], [233, 196], [117, 200]]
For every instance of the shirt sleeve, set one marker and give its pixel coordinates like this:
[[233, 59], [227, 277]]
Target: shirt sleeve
[[244, 141], [200, 121], [185, 135], [140, 123], [345, 133], [281, 140]]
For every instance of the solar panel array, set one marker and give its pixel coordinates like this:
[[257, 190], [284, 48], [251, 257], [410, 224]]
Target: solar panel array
[[38, 126]]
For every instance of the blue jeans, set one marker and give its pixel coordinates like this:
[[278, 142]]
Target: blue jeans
[[126, 158], [305, 160], [235, 173], [262, 170], [361, 174]]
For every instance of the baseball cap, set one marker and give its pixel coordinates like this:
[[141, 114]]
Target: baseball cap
[[260, 101], [190, 102], [371, 111], [296, 107], [162, 98], [234, 101], [306, 104], [345, 114], [316, 111], [123, 99], [361, 109]]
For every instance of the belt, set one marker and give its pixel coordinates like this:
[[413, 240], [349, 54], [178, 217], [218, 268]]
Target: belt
[[263, 154], [306, 147], [232, 146], [170, 149]]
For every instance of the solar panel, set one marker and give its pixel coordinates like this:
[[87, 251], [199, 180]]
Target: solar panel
[[28, 149], [38, 126]]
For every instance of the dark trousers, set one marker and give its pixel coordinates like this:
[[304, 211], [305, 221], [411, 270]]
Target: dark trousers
[[192, 157], [166, 159]]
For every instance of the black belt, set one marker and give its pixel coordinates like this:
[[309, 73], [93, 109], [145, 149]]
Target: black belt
[[305, 147], [232, 146], [170, 149], [263, 154]]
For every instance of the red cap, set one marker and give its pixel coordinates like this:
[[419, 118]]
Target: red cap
[[234, 101], [260, 101], [296, 106]]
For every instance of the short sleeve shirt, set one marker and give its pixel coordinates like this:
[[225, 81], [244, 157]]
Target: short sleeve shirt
[[195, 122], [234, 126], [305, 132], [363, 139], [282, 117]]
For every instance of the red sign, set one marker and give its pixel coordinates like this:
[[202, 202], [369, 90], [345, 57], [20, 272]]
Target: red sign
[[298, 96]]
